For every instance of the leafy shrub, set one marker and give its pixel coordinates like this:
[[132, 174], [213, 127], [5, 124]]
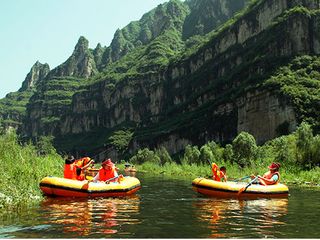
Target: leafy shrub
[[121, 139], [307, 146], [145, 155], [191, 154], [206, 154], [244, 148], [227, 155], [163, 155]]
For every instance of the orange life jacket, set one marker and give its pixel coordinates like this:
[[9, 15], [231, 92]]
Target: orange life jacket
[[214, 168], [70, 171], [217, 175], [269, 175], [104, 174]]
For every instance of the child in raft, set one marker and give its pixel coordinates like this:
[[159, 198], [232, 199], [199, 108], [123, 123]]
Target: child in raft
[[219, 175]]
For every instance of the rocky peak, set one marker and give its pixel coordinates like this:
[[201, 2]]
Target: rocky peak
[[81, 47], [98, 54], [37, 73], [150, 26], [80, 64]]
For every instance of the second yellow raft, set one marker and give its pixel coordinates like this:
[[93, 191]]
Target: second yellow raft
[[213, 188]]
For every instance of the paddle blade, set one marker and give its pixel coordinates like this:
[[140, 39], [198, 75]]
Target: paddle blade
[[241, 190]]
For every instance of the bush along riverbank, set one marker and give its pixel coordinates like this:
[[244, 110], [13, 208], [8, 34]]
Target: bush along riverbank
[[298, 154], [23, 166]]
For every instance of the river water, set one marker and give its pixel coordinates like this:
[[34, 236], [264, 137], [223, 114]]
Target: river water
[[166, 208]]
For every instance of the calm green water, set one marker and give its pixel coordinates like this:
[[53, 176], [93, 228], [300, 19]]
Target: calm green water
[[168, 209]]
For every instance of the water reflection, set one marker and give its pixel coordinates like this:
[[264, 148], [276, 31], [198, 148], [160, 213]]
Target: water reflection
[[88, 217], [231, 217]]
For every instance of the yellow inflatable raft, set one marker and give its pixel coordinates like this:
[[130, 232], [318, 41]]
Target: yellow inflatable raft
[[213, 188], [55, 186]]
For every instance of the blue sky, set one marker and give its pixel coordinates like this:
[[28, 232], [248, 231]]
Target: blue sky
[[47, 31]]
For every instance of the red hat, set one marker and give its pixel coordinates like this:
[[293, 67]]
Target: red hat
[[274, 166], [107, 162]]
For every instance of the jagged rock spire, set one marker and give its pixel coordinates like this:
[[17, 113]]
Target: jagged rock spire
[[37, 73]]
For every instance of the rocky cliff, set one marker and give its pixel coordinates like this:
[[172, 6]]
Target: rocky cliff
[[211, 95]]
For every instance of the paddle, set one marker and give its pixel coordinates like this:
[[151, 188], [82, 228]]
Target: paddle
[[240, 179], [110, 179], [248, 185]]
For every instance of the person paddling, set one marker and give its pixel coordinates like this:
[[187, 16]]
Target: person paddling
[[271, 177], [106, 172]]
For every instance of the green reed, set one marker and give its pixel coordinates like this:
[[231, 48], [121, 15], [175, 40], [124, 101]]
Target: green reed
[[22, 170]]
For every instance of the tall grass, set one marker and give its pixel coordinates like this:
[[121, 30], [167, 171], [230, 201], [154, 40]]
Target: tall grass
[[22, 169]]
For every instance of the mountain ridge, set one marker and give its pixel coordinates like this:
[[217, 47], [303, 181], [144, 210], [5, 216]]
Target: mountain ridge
[[180, 89]]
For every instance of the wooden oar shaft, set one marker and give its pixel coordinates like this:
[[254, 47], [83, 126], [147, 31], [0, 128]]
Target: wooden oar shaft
[[110, 179], [248, 185]]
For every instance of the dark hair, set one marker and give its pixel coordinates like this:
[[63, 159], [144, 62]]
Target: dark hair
[[223, 168], [68, 161], [78, 171]]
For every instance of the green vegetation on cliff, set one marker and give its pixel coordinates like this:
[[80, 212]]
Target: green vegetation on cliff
[[54, 97], [299, 82], [13, 108]]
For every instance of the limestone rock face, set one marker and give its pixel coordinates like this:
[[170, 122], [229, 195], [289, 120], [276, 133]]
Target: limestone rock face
[[261, 113], [37, 73]]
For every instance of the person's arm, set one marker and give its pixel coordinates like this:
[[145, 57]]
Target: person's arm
[[225, 177], [96, 178], [266, 181], [86, 166], [116, 173]]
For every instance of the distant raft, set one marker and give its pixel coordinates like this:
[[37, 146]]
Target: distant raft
[[62, 187], [213, 188]]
